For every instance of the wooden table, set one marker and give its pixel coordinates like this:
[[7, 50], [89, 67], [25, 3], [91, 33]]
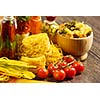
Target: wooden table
[[92, 64]]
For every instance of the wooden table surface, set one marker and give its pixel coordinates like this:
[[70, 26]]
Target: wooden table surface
[[92, 64]]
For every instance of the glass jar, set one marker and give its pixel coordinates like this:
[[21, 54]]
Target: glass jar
[[50, 27], [50, 18], [0, 36], [23, 24], [23, 30], [8, 37], [35, 23]]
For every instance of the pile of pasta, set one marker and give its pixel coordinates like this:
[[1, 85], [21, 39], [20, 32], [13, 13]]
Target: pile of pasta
[[35, 45], [54, 55], [38, 45], [38, 61], [14, 68], [35, 52], [75, 29]]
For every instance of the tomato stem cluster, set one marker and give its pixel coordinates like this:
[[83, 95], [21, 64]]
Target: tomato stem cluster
[[67, 68]]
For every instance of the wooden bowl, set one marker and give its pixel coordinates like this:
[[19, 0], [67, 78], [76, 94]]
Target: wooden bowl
[[77, 47]]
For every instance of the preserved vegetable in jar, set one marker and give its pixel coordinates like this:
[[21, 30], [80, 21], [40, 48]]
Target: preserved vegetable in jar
[[23, 24], [50, 26], [35, 24], [8, 37]]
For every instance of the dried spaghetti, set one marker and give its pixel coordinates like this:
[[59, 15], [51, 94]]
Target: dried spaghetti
[[54, 54]]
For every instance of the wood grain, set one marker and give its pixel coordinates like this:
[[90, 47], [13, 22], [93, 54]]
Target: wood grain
[[92, 64]]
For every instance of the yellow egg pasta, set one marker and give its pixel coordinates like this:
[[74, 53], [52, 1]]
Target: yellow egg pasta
[[37, 46]]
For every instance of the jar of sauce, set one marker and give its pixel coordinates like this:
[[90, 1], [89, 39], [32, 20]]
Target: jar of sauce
[[8, 37], [35, 24], [23, 24]]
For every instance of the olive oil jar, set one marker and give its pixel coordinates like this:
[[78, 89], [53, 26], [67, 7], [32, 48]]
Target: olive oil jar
[[8, 37]]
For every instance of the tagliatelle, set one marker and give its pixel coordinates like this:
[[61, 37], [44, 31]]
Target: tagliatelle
[[4, 77], [39, 61], [17, 69], [15, 63], [39, 44], [35, 45]]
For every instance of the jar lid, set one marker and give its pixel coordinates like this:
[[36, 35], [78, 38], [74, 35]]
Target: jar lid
[[35, 17], [49, 22], [8, 17]]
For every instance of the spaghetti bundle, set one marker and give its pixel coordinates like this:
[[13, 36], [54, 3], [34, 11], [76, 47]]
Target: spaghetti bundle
[[54, 55]]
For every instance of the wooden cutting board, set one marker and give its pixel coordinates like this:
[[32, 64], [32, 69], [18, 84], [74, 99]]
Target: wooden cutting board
[[13, 80]]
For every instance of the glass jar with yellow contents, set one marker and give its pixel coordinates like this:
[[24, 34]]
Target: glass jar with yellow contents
[[50, 26]]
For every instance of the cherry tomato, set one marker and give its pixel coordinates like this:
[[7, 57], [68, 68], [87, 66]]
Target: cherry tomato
[[68, 58], [42, 73], [61, 64], [59, 74], [70, 72], [78, 66], [51, 68]]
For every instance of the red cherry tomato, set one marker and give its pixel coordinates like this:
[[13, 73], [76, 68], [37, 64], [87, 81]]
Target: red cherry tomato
[[61, 64], [78, 66], [68, 58], [70, 72], [42, 73], [51, 68], [59, 74]]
